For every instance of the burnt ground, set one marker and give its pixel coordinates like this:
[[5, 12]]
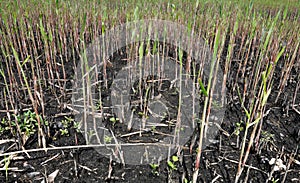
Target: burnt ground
[[280, 136]]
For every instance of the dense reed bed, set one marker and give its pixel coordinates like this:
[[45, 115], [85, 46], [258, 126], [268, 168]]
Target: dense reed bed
[[255, 44]]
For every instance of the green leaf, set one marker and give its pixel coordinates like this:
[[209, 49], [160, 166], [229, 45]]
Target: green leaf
[[154, 166], [247, 113], [204, 91], [175, 158], [113, 119], [265, 97], [171, 165], [279, 55]]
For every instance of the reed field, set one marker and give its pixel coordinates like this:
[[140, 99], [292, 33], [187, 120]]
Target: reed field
[[50, 86]]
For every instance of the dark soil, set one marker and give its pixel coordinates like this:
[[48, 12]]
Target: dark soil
[[280, 137]]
